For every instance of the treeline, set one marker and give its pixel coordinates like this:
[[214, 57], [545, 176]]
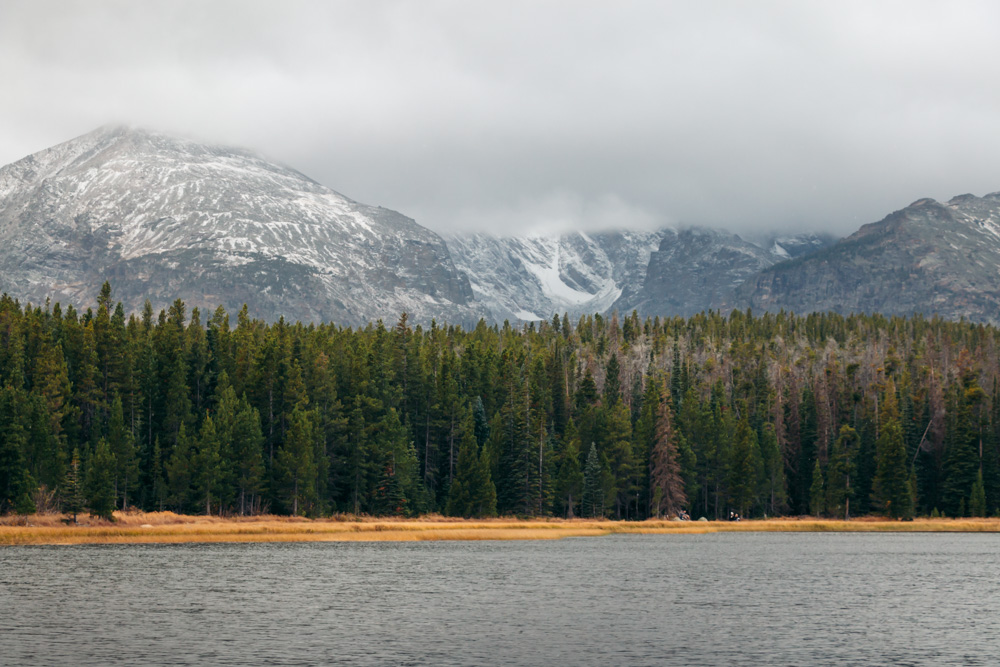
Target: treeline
[[625, 418]]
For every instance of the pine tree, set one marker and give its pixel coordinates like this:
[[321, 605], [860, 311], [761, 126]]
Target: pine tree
[[569, 477], [294, 463], [16, 483], [839, 471], [248, 454], [389, 500], [207, 464], [180, 473], [962, 457], [892, 479], [592, 502], [482, 423], [667, 485], [472, 493], [159, 487], [72, 491], [612, 381], [619, 455], [100, 486], [977, 500], [817, 496], [746, 467], [122, 444], [773, 479]]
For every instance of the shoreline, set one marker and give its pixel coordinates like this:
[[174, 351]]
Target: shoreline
[[170, 528]]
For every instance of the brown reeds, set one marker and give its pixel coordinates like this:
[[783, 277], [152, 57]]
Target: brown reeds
[[167, 527]]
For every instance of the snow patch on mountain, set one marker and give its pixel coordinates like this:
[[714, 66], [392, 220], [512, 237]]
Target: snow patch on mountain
[[153, 212], [533, 277]]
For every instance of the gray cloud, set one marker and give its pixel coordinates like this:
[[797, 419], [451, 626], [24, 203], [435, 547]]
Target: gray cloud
[[521, 115]]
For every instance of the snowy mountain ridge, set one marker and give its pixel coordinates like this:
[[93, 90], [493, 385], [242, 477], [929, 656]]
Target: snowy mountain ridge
[[531, 277], [668, 271], [165, 217]]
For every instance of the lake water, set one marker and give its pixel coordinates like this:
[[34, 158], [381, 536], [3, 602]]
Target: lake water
[[746, 599]]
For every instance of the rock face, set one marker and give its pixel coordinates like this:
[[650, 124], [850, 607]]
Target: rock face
[[928, 258], [666, 272], [533, 277], [694, 270], [163, 218]]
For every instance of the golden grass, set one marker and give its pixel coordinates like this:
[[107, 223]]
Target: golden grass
[[167, 527]]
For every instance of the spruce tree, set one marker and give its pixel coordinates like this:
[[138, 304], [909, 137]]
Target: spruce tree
[[817, 495], [71, 492], [207, 464], [666, 483], [294, 463], [961, 463], [472, 493], [122, 444], [569, 477], [16, 483], [746, 467], [773, 479], [248, 454], [592, 502], [977, 499], [612, 381], [892, 478], [839, 471], [100, 486], [180, 472], [389, 500], [620, 457]]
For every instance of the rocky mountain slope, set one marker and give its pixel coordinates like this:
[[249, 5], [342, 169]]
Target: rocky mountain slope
[[697, 269], [164, 218], [666, 272], [929, 258], [532, 277]]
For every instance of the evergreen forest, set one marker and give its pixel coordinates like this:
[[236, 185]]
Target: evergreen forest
[[619, 417]]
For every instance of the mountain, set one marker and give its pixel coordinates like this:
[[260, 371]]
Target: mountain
[[696, 269], [665, 272], [532, 277], [931, 258], [164, 218]]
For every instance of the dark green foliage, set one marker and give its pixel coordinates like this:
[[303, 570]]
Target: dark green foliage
[[977, 499], [569, 476], [472, 493], [389, 500], [772, 490], [666, 480], [71, 492], [592, 502], [294, 418], [839, 470], [746, 469], [295, 465], [122, 444], [16, 484], [962, 463], [893, 490], [209, 466], [100, 485], [817, 496]]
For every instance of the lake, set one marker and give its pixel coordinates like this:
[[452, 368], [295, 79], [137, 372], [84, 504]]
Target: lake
[[717, 599]]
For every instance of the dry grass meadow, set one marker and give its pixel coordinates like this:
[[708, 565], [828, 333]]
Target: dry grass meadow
[[167, 527]]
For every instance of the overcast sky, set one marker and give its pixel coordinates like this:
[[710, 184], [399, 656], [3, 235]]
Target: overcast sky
[[509, 116]]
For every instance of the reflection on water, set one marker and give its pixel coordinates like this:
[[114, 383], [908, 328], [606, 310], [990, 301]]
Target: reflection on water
[[749, 599]]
